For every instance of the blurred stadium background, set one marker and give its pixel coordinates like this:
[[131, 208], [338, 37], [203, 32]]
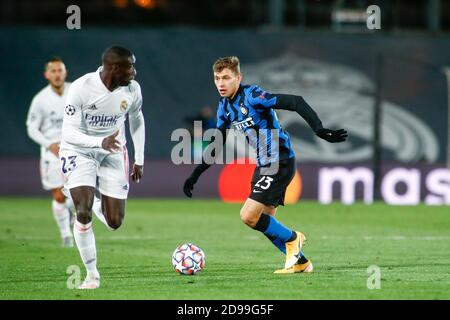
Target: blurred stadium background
[[322, 50]]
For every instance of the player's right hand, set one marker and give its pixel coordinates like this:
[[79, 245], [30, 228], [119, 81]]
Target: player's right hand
[[189, 186], [110, 143]]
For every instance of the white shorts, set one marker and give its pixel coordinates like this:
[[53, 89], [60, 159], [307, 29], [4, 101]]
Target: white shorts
[[51, 175], [97, 168]]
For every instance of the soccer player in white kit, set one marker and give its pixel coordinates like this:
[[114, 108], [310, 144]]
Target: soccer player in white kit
[[44, 123], [93, 151]]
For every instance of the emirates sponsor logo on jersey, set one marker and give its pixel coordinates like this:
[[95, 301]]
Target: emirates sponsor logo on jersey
[[101, 120]]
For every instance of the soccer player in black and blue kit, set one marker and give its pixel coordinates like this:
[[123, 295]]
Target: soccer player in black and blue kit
[[250, 109]]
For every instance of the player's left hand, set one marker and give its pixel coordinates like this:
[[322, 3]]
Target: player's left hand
[[332, 135], [137, 173], [189, 186]]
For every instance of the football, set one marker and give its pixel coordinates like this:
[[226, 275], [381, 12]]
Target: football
[[188, 259]]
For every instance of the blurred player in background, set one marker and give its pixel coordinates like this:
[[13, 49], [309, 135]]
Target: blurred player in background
[[250, 110], [207, 118], [44, 123], [93, 153]]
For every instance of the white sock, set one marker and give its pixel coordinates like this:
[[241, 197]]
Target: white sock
[[85, 240], [62, 218], [97, 209], [70, 206]]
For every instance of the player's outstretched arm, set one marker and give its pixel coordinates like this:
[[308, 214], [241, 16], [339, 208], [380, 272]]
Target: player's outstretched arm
[[199, 169], [299, 105]]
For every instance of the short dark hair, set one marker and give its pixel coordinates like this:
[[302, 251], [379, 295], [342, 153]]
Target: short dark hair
[[52, 59], [118, 51]]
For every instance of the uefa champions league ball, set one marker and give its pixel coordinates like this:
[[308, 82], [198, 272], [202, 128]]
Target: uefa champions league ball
[[188, 259]]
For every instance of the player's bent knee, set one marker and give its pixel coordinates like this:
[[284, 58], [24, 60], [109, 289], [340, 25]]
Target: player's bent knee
[[248, 218], [83, 215], [115, 223]]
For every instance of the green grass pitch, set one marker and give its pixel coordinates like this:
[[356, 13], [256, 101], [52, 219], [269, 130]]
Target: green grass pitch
[[410, 245]]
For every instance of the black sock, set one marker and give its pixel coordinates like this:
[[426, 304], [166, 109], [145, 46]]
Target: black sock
[[302, 260], [293, 236], [263, 223]]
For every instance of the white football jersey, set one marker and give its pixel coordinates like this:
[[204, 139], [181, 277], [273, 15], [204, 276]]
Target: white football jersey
[[45, 116], [92, 112]]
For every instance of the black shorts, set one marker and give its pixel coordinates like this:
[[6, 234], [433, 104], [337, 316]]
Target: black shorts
[[269, 187]]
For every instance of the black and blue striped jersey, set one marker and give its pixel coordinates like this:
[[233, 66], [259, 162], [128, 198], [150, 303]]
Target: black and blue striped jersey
[[251, 111]]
